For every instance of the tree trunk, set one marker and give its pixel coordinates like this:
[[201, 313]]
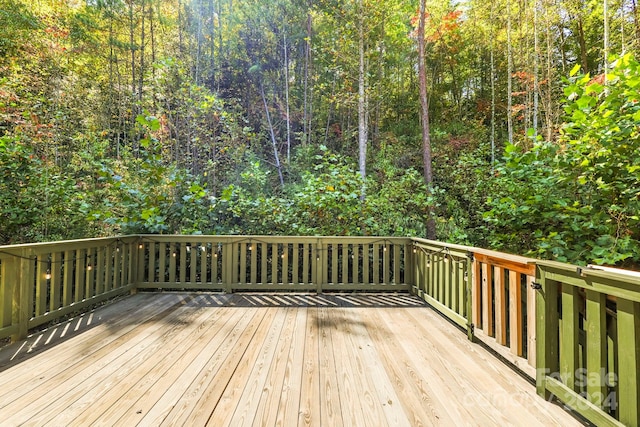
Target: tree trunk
[[142, 64], [509, 72], [549, 106], [583, 46], [362, 102], [286, 92], [535, 68], [307, 64], [424, 115], [493, 94], [606, 40], [273, 136]]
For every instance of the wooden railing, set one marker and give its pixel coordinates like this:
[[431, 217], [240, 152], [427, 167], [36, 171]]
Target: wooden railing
[[588, 327], [43, 282], [231, 263], [443, 279], [574, 330]]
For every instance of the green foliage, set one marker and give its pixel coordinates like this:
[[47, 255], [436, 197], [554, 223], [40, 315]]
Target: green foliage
[[578, 200], [36, 202], [325, 200]]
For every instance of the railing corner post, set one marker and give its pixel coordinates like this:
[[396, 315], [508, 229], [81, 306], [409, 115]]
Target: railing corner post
[[546, 322], [21, 274]]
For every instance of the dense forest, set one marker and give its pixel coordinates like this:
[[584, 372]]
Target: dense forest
[[308, 117]]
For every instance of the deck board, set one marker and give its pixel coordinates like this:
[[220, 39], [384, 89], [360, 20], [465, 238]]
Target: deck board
[[272, 360]]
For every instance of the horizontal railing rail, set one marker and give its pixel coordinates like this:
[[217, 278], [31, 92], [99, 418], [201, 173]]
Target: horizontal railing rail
[[576, 330]]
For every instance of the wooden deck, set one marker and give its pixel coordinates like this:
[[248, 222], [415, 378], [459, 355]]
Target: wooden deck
[[280, 359]]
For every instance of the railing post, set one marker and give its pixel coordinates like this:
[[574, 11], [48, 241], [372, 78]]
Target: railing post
[[628, 363], [409, 262], [547, 331], [469, 295], [20, 274]]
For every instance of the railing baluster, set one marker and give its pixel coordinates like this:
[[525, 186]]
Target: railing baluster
[[162, 262], [397, 253], [183, 263], [476, 294], [264, 263], [487, 299], [366, 278], [80, 266], [55, 285], [596, 327], [67, 278], [629, 361], [243, 263], [6, 290], [531, 321], [386, 256], [569, 336], [295, 264], [117, 267], [152, 263], [274, 264], [172, 262], [345, 263], [100, 270], [41, 286], [500, 305], [253, 265], [515, 313], [193, 262]]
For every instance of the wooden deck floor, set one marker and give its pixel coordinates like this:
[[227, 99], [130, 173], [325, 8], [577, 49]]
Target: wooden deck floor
[[286, 360]]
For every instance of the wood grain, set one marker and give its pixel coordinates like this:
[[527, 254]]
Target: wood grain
[[268, 360]]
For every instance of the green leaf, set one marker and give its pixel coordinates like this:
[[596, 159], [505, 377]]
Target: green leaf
[[574, 70]]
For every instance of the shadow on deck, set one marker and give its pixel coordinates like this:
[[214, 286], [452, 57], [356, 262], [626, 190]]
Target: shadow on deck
[[263, 359]]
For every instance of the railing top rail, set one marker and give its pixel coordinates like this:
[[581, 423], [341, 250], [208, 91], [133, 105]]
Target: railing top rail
[[593, 271], [487, 252], [246, 237], [43, 246]]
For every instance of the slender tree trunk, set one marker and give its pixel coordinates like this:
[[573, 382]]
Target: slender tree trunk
[[563, 49], [198, 71], [535, 67], [307, 65], [606, 40], [362, 101], [152, 31], [493, 93], [549, 107], [212, 46], [180, 29], [424, 115], [132, 47], [636, 22], [142, 64], [583, 45], [509, 78], [286, 92], [273, 136], [333, 89]]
